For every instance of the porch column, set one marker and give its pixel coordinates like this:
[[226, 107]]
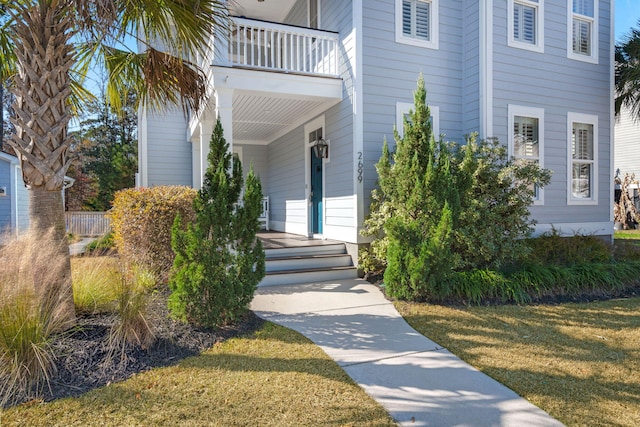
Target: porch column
[[224, 111], [206, 129]]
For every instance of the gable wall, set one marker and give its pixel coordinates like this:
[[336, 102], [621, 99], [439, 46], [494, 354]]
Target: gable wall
[[559, 85], [391, 70]]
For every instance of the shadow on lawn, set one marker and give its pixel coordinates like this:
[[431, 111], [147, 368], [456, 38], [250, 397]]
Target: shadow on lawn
[[573, 357]]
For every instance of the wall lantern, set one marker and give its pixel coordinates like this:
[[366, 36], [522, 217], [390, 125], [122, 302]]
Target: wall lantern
[[321, 149]]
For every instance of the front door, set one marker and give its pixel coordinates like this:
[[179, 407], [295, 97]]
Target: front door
[[316, 193]]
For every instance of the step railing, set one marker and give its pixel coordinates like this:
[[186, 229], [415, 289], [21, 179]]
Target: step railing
[[277, 47]]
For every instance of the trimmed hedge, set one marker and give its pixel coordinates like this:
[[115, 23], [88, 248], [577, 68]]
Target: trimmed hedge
[[142, 219]]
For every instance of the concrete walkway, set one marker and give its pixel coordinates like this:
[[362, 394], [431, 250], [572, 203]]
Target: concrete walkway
[[79, 247], [417, 381]]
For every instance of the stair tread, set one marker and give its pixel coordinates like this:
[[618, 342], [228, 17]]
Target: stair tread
[[310, 270], [297, 257]]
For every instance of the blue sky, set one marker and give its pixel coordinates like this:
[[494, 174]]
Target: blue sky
[[627, 15]]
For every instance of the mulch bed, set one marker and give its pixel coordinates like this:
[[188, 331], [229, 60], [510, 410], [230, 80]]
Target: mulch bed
[[84, 361]]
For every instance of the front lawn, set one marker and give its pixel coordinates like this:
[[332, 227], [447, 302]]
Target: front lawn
[[273, 377], [578, 362]]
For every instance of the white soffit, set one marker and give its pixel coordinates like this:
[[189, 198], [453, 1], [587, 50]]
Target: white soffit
[[267, 10]]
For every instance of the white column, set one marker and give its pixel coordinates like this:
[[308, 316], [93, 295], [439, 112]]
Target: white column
[[224, 112], [206, 129]]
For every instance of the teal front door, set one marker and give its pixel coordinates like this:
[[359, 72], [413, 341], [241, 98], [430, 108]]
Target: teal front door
[[316, 193]]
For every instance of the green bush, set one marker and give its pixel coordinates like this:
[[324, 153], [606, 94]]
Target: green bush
[[443, 208], [102, 244], [141, 220], [219, 260], [553, 249]]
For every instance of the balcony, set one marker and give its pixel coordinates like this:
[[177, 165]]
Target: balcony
[[268, 46]]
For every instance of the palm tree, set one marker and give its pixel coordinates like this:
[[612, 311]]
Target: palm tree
[[46, 49], [628, 73]]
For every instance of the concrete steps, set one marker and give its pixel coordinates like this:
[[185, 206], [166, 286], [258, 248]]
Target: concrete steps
[[306, 264]]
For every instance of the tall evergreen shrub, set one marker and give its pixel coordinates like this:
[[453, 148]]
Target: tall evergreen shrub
[[219, 260], [441, 208]]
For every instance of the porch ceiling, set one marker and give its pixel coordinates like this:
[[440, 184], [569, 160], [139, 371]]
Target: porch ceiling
[[267, 10], [260, 119], [267, 105]]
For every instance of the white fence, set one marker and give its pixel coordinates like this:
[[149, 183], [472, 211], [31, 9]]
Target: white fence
[[87, 223]]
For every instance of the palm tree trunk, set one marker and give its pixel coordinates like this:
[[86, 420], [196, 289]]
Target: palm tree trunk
[[51, 264], [42, 113]]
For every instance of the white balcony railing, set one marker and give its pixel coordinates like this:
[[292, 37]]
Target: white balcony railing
[[277, 47]]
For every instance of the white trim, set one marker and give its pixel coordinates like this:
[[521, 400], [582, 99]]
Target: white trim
[[595, 29], [591, 120], [317, 123], [358, 118], [537, 113], [603, 228], [486, 68], [612, 120], [403, 108], [434, 26], [538, 46]]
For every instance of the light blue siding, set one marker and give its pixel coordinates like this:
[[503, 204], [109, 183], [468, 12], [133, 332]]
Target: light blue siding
[[256, 156], [168, 153], [22, 198], [5, 201], [559, 85]]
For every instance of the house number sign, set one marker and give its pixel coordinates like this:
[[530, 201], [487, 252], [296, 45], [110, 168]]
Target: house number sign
[[360, 166]]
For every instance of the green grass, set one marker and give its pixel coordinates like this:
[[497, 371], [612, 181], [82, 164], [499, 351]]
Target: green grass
[[94, 283], [578, 362], [274, 377], [627, 234]]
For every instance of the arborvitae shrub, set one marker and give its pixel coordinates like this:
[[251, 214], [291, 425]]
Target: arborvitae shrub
[[141, 219], [219, 260], [443, 208]]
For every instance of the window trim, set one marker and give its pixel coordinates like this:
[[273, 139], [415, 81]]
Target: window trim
[[433, 43], [590, 120], [593, 58], [538, 46], [536, 113], [403, 108]]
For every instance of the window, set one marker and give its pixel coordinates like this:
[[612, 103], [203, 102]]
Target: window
[[402, 112], [583, 165], [526, 138], [583, 40], [417, 22], [526, 24]]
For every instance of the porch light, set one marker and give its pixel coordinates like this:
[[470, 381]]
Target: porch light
[[321, 149]]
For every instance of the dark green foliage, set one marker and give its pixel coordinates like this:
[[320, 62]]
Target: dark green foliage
[[442, 208], [553, 249], [219, 261]]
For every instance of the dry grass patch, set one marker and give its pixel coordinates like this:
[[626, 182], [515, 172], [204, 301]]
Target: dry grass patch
[[578, 362], [274, 377]]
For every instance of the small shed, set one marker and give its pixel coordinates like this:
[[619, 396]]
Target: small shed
[[14, 197]]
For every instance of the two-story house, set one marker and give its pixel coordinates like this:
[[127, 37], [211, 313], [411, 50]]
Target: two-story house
[[294, 74]]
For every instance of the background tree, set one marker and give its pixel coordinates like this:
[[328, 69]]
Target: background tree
[[106, 152], [47, 48], [219, 260], [627, 73]]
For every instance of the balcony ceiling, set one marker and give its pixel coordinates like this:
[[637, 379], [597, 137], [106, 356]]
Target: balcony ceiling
[[267, 10], [261, 119]]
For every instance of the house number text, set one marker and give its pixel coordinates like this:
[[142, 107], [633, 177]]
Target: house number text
[[360, 166]]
